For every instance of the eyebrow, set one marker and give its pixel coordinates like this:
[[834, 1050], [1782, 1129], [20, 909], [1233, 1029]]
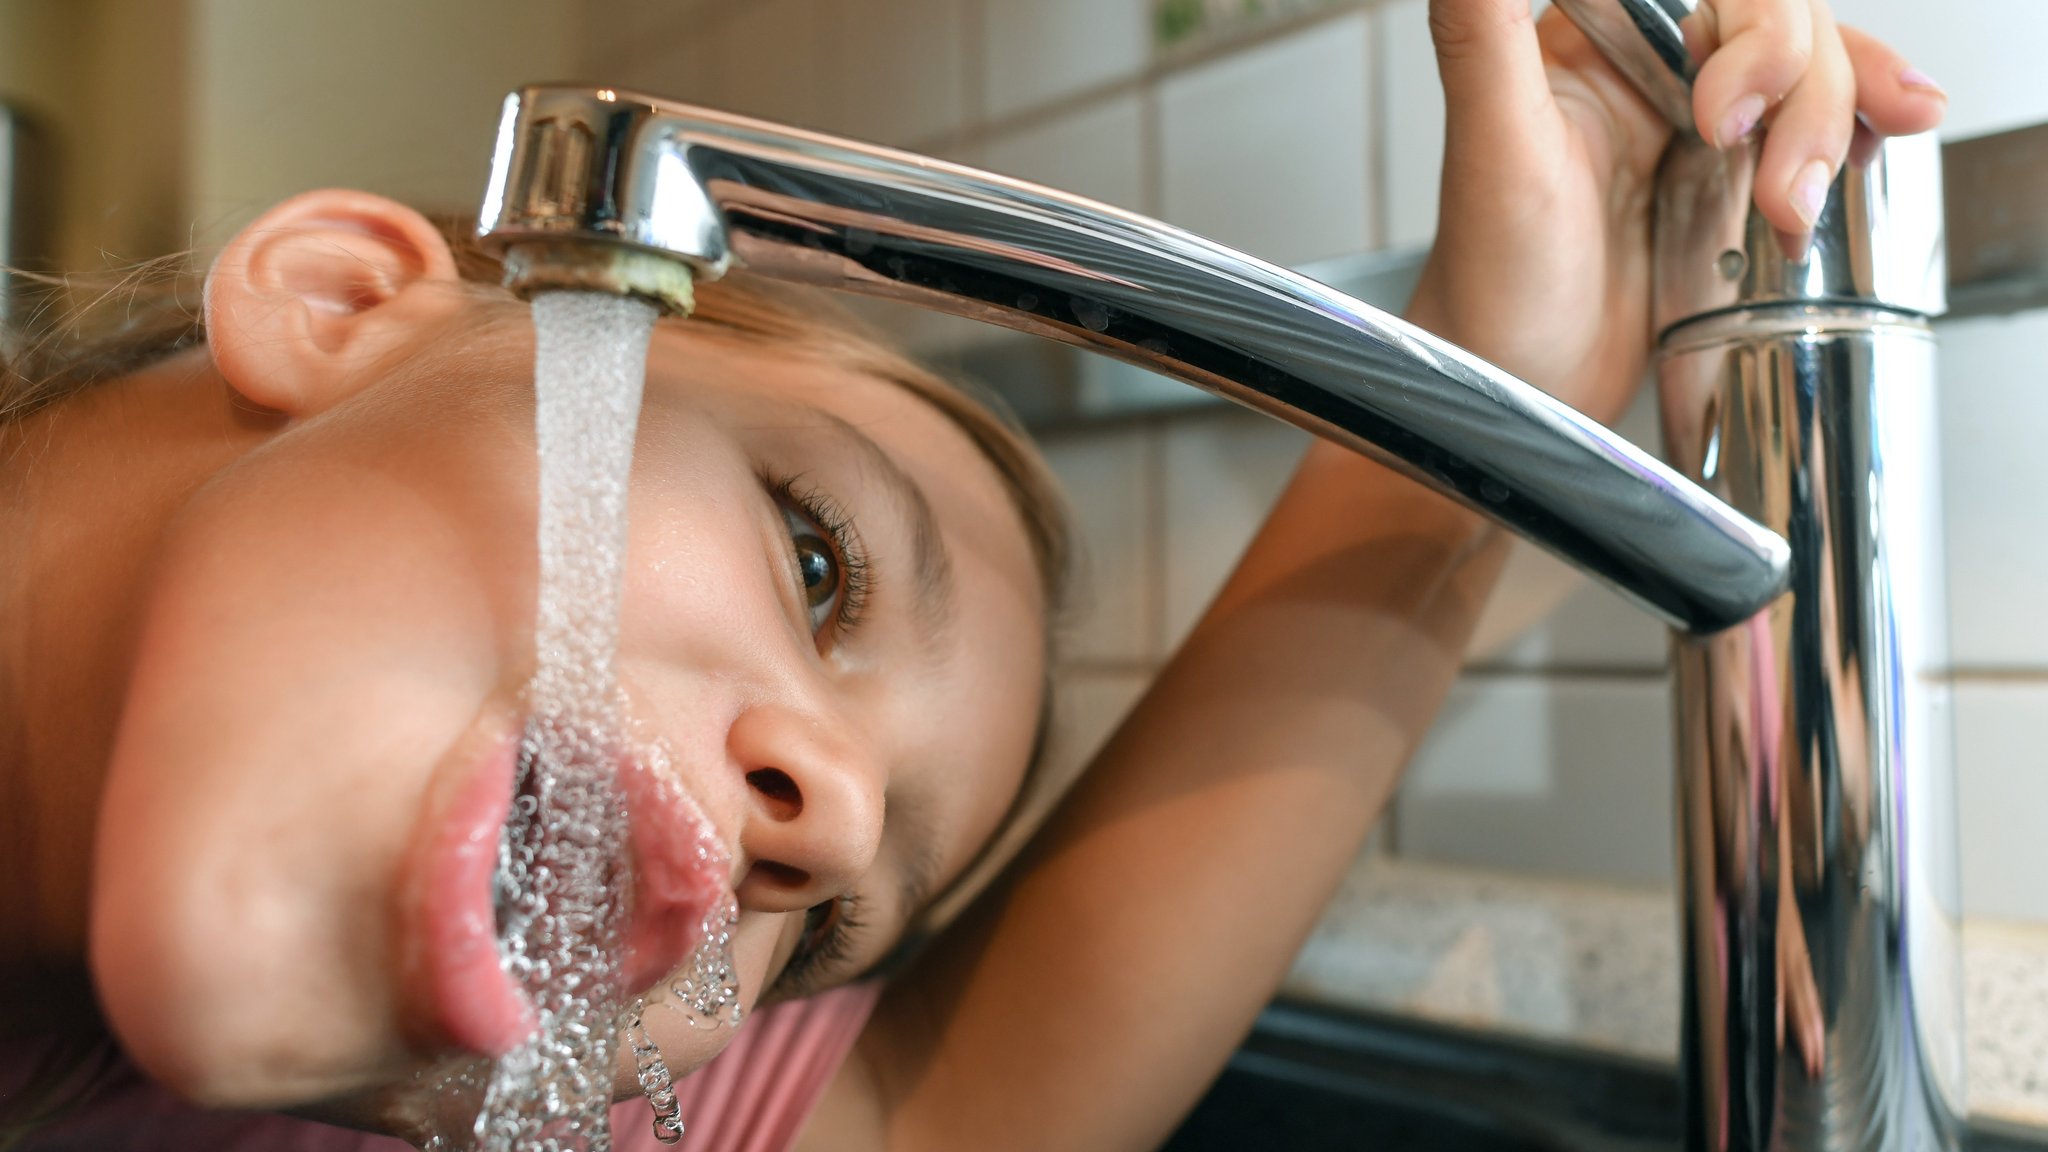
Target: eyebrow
[[931, 563]]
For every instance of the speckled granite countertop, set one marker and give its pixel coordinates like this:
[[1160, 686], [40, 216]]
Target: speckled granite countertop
[[1599, 966]]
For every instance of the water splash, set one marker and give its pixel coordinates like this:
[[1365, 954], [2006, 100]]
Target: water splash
[[563, 881]]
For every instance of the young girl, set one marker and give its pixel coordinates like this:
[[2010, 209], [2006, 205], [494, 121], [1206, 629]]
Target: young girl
[[266, 598]]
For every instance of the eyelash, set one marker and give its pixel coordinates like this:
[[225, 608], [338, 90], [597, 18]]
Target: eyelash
[[856, 580], [804, 966]]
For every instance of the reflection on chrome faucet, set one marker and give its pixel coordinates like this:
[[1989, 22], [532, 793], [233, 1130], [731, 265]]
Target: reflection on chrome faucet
[[602, 189]]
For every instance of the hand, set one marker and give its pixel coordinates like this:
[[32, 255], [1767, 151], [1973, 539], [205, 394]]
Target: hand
[[1542, 260]]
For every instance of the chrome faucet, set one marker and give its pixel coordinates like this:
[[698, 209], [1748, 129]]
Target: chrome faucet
[[1819, 898], [1815, 804], [599, 189]]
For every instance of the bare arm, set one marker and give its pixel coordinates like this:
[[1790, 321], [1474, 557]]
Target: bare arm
[[1170, 894], [1087, 1005]]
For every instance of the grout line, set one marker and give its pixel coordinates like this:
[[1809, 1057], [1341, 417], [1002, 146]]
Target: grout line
[[1151, 154], [1377, 177], [1566, 674], [1993, 675], [1159, 68]]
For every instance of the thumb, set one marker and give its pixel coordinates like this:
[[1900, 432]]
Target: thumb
[[1493, 71]]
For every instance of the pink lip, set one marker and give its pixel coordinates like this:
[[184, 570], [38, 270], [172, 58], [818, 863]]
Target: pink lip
[[680, 874], [451, 972]]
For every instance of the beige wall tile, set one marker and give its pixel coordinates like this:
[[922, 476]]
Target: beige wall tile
[[1107, 476], [1268, 149], [899, 67], [615, 31], [288, 97], [1096, 151], [773, 61], [1223, 470], [1562, 777], [1042, 50]]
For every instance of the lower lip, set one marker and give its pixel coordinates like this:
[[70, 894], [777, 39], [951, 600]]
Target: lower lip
[[453, 974], [454, 968]]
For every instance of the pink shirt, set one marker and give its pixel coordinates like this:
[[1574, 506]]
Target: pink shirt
[[754, 1097]]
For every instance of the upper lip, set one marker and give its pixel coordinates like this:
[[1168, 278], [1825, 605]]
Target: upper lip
[[680, 870]]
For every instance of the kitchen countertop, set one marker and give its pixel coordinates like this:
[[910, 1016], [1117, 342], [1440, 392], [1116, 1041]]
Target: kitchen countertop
[[1598, 966]]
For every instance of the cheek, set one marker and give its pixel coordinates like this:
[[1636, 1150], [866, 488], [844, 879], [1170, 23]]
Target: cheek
[[302, 669]]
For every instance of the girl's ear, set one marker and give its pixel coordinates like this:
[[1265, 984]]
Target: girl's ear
[[317, 290]]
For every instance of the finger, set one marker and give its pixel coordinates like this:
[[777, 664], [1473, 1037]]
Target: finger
[[1492, 69], [1895, 98], [1766, 48], [1802, 1004], [1809, 138]]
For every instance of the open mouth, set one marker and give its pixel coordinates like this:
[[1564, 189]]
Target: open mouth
[[456, 991]]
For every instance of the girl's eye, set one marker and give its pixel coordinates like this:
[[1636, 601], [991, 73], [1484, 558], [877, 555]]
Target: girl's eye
[[817, 568], [819, 923], [827, 557], [827, 940]]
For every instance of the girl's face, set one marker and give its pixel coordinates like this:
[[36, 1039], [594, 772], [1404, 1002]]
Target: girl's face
[[832, 629]]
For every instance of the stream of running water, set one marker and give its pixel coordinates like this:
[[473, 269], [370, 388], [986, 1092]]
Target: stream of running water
[[563, 883]]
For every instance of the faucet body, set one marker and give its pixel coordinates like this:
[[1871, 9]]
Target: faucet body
[[598, 189], [1818, 889]]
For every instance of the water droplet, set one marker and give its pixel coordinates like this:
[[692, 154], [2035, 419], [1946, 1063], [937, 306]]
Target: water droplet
[[1092, 314]]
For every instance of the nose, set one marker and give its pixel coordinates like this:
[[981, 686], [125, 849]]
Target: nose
[[814, 799]]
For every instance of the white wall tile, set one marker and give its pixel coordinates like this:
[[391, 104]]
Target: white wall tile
[[1994, 410], [1268, 149], [1223, 470], [899, 69], [1986, 53], [1097, 151], [1411, 123], [1107, 476], [2002, 787], [1041, 50], [1563, 777]]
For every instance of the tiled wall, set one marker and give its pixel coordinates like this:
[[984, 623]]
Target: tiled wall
[[1322, 136]]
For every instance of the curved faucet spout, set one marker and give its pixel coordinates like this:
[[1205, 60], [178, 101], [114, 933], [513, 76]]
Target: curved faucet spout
[[588, 183]]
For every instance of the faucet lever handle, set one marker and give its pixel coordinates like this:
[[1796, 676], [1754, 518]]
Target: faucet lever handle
[[1657, 44]]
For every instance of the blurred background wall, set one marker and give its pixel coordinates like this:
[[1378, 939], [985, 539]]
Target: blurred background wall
[[1297, 129]]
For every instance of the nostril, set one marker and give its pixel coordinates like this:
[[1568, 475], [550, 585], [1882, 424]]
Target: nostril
[[774, 786], [781, 875]]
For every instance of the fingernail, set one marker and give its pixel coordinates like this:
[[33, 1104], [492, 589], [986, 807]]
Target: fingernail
[[1740, 121], [1810, 191], [1915, 78]]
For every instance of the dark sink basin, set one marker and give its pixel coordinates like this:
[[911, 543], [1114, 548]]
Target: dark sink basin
[[1311, 1079]]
